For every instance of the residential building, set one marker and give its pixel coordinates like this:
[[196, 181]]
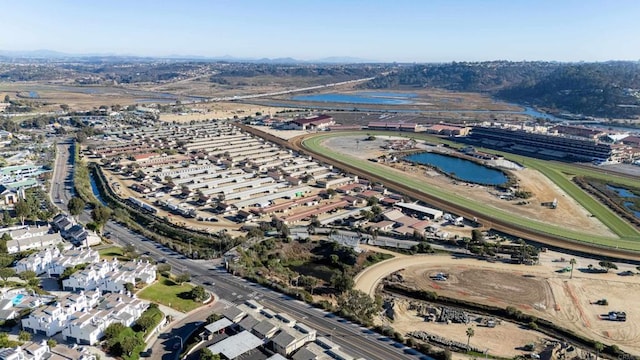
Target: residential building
[[28, 351], [72, 257], [61, 223], [88, 327], [290, 339], [38, 262], [82, 318], [53, 262], [30, 237], [111, 276], [236, 345]]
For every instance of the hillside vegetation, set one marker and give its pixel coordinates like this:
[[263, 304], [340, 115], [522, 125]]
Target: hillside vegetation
[[592, 89]]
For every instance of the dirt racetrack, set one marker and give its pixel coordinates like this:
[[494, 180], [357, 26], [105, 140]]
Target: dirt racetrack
[[539, 290], [569, 212]]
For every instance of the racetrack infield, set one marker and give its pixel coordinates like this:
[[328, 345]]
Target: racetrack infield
[[496, 219]]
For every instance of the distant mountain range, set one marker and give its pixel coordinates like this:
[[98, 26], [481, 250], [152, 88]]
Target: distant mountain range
[[57, 55]]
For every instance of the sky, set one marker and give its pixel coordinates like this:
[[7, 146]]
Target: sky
[[375, 30]]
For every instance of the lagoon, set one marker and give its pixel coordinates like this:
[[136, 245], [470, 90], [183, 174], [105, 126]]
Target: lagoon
[[394, 98], [462, 169], [626, 194]]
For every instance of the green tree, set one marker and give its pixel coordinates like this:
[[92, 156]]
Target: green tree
[[309, 283], [51, 343], [213, 318], [6, 260], [607, 265], [359, 305], [27, 275], [3, 247], [113, 331], [342, 282], [129, 287], [476, 236], [24, 336], [145, 322], [198, 293], [182, 278], [470, 332], [129, 343], [76, 206], [7, 220], [33, 283], [6, 273], [100, 215], [23, 210], [598, 346], [573, 263], [206, 354]]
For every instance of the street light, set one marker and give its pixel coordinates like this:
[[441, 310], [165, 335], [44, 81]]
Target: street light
[[179, 338], [331, 334]]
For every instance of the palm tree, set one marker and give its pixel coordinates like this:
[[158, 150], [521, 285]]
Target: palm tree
[[470, 333], [599, 347], [572, 262]]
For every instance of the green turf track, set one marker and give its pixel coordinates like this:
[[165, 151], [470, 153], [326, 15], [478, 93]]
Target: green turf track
[[559, 173]]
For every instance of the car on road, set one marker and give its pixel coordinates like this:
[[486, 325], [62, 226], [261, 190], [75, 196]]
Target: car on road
[[208, 283]]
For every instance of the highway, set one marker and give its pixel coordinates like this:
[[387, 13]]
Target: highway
[[354, 339], [62, 178]]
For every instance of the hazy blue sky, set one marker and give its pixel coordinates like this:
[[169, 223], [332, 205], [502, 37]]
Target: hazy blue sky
[[383, 30]]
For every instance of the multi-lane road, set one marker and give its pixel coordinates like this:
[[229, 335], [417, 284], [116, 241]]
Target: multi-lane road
[[62, 179], [354, 339]]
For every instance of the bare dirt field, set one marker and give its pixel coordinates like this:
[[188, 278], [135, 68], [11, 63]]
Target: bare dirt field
[[502, 340], [51, 95], [568, 213], [220, 110], [241, 85], [539, 290]]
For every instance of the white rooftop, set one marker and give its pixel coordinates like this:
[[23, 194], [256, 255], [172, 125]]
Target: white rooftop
[[236, 345], [218, 325], [277, 357]]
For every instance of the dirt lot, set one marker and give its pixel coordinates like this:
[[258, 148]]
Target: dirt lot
[[539, 290], [569, 212], [502, 340], [220, 110]]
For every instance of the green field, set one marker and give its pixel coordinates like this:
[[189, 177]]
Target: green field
[[168, 293], [559, 173], [111, 252]]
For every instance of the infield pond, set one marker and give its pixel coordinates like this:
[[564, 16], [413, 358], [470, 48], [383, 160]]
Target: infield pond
[[461, 169]]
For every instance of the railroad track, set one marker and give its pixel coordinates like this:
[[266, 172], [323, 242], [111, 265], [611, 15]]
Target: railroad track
[[494, 223]]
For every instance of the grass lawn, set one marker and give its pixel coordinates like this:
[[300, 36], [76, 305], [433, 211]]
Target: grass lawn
[[166, 292], [559, 173], [112, 252]]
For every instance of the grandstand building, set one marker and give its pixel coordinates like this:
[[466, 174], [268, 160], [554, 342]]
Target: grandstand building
[[546, 145]]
